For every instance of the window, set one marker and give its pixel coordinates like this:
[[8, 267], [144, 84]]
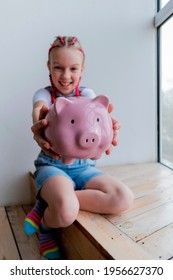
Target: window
[[163, 3], [164, 23], [166, 93]]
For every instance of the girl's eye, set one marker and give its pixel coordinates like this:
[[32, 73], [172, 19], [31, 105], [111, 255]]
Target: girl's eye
[[73, 69], [58, 67], [98, 120], [72, 121]]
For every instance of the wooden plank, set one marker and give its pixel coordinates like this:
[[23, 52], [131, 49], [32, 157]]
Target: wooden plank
[[155, 185], [8, 249], [67, 247], [147, 223], [28, 245], [147, 178], [143, 204], [132, 170], [86, 248], [27, 208], [111, 239], [160, 243]]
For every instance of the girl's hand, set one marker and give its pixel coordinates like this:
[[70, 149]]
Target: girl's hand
[[116, 126], [37, 130]]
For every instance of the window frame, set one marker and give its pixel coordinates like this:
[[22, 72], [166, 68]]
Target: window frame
[[161, 17]]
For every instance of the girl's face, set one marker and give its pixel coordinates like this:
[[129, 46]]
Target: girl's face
[[66, 67]]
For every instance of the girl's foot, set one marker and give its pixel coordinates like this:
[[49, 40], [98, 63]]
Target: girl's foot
[[48, 243], [32, 220]]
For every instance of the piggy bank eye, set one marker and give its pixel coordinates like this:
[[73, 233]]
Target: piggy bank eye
[[72, 121], [98, 120]]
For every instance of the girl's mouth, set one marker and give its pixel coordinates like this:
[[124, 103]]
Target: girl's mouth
[[65, 84]]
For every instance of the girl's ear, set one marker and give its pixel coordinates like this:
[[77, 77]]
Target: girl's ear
[[82, 69], [48, 65]]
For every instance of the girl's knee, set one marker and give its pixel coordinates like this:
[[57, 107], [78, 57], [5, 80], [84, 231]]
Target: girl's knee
[[127, 198], [121, 199], [65, 215], [68, 217]]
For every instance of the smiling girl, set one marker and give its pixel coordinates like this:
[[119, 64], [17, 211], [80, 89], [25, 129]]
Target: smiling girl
[[64, 189]]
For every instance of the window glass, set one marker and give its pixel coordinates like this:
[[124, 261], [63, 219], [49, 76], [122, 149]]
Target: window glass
[[166, 93], [163, 3]]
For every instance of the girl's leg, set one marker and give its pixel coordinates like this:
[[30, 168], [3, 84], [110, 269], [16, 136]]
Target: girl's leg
[[63, 205], [33, 218], [48, 243], [105, 194], [62, 209]]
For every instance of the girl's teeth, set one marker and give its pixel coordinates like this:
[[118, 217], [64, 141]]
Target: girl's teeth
[[65, 84]]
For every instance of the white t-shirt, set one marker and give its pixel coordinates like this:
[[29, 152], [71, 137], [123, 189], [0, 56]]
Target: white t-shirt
[[43, 94]]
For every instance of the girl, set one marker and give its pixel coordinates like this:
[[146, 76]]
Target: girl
[[64, 189]]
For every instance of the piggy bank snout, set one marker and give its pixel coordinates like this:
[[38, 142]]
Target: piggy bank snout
[[89, 140]]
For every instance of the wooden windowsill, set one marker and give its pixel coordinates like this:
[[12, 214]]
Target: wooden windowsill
[[143, 232]]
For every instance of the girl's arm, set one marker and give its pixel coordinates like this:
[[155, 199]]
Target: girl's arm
[[116, 126], [40, 110], [37, 107]]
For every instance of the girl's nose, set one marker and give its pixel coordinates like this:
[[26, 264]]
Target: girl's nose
[[66, 74]]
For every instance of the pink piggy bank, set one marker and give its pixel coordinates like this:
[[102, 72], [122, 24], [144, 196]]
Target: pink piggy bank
[[79, 127]]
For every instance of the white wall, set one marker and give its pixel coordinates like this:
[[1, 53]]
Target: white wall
[[119, 41]]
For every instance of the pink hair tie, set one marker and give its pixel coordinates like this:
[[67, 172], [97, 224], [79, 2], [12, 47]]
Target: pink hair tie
[[73, 40], [61, 39], [77, 92]]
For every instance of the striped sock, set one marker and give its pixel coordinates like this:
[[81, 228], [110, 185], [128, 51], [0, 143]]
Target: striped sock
[[32, 220], [48, 243]]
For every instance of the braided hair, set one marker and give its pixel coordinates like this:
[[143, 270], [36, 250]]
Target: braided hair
[[60, 42]]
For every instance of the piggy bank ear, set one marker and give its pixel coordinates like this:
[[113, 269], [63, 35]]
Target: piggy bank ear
[[61, 103], [102, 99]]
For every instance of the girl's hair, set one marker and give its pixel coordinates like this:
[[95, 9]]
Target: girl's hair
[[60, 42], [67, 41]]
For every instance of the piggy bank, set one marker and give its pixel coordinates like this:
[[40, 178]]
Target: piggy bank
[[79, 127]]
